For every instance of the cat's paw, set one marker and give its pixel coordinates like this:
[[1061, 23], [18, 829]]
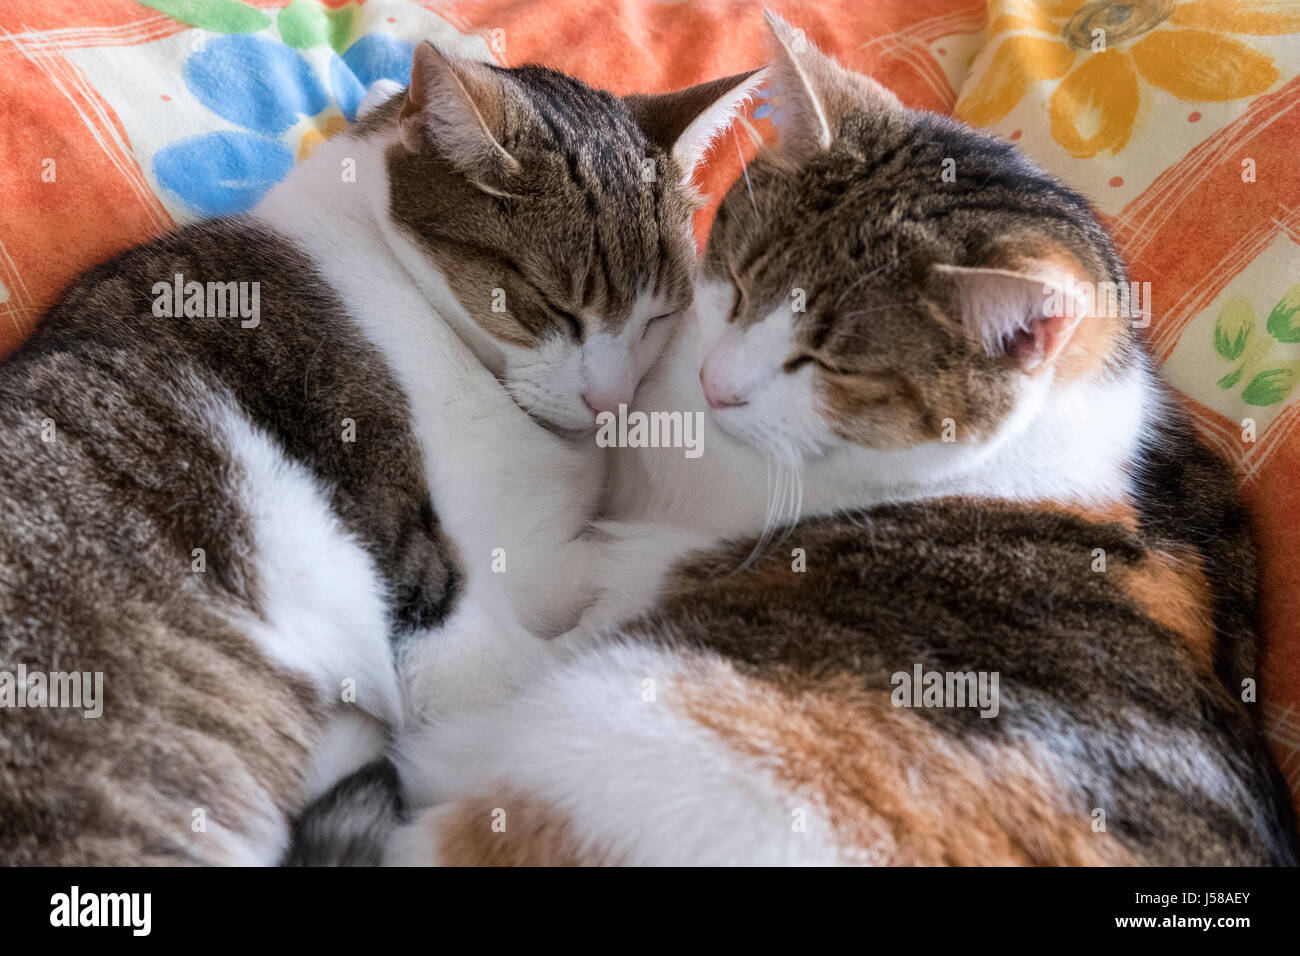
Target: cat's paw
[[633, 561]]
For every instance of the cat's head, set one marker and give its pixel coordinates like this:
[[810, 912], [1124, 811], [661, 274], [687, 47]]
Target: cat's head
[[890, 279], [560, 217]]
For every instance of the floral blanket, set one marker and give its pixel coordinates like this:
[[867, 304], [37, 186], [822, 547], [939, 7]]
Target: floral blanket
[[1179, 119]]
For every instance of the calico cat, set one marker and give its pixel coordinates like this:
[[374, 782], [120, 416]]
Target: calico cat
[[1023, 645], [245, 524]]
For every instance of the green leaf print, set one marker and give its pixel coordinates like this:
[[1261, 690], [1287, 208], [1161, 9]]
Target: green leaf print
[[1232, 328], [1269, 387], [219, 16], [1238, 339], [1284, 321], [343, 24], [1232, 378], [305, 23]]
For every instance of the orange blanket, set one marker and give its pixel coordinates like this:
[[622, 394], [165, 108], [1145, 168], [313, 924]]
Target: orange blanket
[[1178, 118]]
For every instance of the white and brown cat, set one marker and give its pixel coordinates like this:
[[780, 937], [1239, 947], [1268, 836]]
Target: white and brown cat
[[941, 477], [248, 527]]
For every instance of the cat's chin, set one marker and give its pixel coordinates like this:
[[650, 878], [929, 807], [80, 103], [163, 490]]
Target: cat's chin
[[572, 434], [732, 430], [726, 421], [563, 430], [569, 428]]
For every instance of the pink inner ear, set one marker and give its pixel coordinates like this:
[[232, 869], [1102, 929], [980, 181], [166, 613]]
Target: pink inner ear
[[1028, 315], [1043, 340], [1027, 344]]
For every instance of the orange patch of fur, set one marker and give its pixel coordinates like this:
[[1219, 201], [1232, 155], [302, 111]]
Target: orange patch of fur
[[1094, 339], [1120, 512], [1171, 589], [850, 401], [892, 787], [1092, 344], [534, 834]]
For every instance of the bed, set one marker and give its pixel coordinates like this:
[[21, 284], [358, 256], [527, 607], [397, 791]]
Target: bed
[[1179, 119]]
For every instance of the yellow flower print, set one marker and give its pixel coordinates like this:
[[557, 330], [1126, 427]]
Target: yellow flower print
[[1180, 47], [314, 137]]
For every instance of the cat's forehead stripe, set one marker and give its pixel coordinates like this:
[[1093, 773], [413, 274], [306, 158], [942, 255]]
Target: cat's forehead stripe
[[587, 233]]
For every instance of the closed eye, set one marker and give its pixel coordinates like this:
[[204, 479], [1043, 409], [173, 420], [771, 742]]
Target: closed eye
[[657, 318], [799, 361], [572, 321]]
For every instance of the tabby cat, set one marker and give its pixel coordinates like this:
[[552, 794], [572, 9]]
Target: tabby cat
[[245, 520], [1010, 608]]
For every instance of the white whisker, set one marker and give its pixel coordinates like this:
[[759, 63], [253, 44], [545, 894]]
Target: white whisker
[[744, 169], [784, 505]]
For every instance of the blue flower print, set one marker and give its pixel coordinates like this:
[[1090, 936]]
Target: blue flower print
[[266, 88]]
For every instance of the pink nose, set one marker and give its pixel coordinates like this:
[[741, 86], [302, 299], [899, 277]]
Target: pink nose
[[601, 401], [716, 394]]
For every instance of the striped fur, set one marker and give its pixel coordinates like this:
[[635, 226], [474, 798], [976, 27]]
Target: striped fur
[[350, 824], [247, 528], [1073, 538]]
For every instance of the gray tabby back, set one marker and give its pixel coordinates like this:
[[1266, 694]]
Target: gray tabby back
[[95, 554], [102, 521]]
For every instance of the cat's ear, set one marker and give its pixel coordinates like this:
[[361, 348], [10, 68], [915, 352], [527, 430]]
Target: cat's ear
[[1029, 313], [458, 107], [810, 91], [685, 123]]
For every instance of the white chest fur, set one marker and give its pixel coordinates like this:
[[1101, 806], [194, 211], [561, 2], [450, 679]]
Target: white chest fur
[[507, 492]]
